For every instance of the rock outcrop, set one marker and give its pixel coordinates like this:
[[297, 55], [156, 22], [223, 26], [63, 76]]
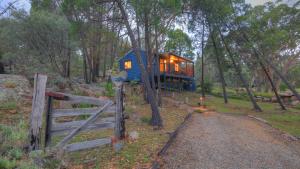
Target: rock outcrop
[[13, 87]]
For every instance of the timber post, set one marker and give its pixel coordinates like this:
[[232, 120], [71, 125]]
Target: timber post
[[119, 116], [48, 121], [36, 118]]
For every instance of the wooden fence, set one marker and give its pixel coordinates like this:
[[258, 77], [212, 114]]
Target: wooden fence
[[114, 118]]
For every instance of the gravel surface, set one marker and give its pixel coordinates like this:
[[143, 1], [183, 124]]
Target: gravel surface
[[213, 141]]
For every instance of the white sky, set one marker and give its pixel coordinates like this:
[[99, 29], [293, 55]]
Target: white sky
[[26, 4], [256, 2]]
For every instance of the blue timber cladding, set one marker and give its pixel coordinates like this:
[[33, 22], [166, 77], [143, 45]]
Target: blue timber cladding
[[133, 74]]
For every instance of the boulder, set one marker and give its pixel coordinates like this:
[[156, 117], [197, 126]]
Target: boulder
[[13, 87], [295, 103], [134, 135]]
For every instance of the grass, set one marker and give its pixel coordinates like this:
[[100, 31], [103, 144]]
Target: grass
[[288, 121], [10, 84], [13, 138], [135, 154], [9, 105]]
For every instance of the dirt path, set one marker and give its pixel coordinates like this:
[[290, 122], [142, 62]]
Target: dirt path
[[211, 141]]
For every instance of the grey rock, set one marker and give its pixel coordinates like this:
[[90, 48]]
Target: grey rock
[[13, 87]]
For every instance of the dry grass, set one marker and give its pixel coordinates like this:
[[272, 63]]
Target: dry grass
[[135, 154]]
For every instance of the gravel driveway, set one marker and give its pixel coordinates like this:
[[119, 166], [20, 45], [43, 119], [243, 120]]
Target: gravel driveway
[[211, 141]]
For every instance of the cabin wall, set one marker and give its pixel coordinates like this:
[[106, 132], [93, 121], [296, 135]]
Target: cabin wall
[[133, 74], [174, 80]]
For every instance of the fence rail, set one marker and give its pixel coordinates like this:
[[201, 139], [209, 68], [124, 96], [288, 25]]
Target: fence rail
[[105, 114]]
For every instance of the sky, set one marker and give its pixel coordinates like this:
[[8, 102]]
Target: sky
[[21, 4], [26, 5]]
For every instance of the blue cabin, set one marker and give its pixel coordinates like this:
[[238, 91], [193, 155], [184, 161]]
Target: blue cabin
[[173, 71]]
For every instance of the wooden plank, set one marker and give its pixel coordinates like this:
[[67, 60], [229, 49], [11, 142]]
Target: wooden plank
[[56, 95], [97, 126], [81, 127], [48, 122], [77, 112], [87, 144], [87, 100], [78, 99], [38, 103], [74, 124]]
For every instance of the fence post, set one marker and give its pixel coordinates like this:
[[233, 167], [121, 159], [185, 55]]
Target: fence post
[[119, 116], [38, 103], [48, 121]]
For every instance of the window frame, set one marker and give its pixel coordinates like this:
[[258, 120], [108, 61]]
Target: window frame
[[130, 61]]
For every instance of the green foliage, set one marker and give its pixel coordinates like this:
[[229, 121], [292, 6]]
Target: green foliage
[[12, 142], [82, 105], [179, 43], [7, 164], [15, 153], [83, 117], [208, 87], [14, 134], [283, 87], [109, 91]]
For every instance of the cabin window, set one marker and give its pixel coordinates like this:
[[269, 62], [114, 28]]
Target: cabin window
[[176, 67], [127, 64]]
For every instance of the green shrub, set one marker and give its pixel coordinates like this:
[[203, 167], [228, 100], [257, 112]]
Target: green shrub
[[7, 164], [10, 135], [283, 87], [208, 87], [109, 91], [15, 153]]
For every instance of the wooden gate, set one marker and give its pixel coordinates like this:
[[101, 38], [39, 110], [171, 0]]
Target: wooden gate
[[114, 118]]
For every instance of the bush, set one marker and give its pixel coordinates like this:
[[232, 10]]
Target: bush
[[208, 86], [283, 87], [109, 91], [15, 153], [7, 164]]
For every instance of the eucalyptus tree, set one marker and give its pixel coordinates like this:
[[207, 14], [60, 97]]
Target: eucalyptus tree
[[5, 9], [180, 43], [98, 30], [156, 118], [254, 38], [213, 14]]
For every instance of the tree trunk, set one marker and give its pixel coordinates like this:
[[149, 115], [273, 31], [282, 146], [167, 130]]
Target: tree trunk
[[2, 70], [158, 92], [202, 62], [156, 119], [238, 69], [85, 67], [220, 68], [262, 59], [272, 84]]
